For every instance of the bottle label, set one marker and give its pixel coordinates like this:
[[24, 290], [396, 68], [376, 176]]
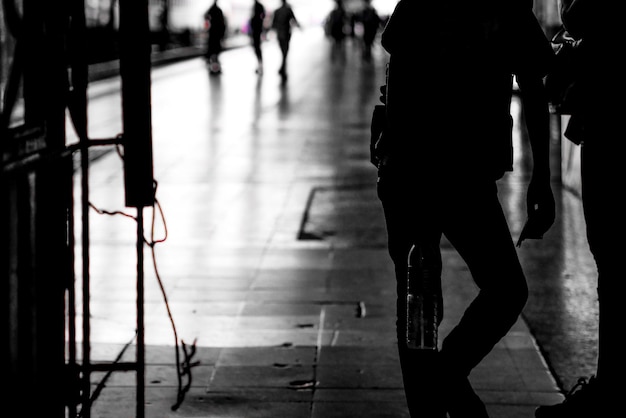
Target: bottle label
[[423, 300], [421, 333]]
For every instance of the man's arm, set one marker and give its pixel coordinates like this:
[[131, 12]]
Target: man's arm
[[293, 18], [540, 204]]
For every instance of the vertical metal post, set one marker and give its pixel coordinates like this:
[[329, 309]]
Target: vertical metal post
[[71, 301], [86, 355], [135, 66], [140, 319], [78, 108]]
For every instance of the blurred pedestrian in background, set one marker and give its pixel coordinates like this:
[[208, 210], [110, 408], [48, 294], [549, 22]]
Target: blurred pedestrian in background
[[257, 30], [215, 22], [283, 20], [335, 28], [371, 22]]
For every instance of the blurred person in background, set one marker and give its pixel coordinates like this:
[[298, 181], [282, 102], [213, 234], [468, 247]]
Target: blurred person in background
[[215, 23], [283, 20], [335, 29], [257, 30], [371, 22]]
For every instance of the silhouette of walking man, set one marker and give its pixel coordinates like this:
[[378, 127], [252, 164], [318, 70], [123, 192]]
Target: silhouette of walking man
[[335, 29], [442, 149], [371, 22], [282, 22], [216, 29], [596, 123], [257, 28]]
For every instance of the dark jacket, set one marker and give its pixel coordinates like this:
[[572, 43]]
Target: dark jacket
[[450, 83]]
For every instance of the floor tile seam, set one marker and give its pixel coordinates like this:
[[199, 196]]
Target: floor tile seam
[[544, 371]]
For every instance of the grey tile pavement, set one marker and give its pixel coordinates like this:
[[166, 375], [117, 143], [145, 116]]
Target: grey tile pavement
[[284, 327]]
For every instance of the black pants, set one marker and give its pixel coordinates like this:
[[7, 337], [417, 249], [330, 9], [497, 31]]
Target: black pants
[[468, 213], [256, 45], [283, 42]]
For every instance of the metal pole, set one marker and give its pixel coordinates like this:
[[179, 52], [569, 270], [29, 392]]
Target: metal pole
[[71, 302], [86, 377], [140, 318]]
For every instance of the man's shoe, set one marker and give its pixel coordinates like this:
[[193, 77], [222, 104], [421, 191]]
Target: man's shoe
[[581, 401]]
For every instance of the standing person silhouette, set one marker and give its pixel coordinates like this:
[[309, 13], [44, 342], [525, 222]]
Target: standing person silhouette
[[216, 29], [371, 22], [596, 121], [282, 22], [444, 146], [335, 29], [257, 28]]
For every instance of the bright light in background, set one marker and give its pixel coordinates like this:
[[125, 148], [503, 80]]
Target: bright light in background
[[315, 11], [384, 7], [309, 12]]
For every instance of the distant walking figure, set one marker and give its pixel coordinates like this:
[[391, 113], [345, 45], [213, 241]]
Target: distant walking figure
[[442, 149], [216, 29], [282, 22], [371, 22], [596, 122], [335, 26], [257, 28]]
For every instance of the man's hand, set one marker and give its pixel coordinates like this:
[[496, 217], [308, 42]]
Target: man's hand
[[540, 207], [378, 126]]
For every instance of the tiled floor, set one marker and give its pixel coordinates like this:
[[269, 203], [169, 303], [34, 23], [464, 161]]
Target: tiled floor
[[275, 262]]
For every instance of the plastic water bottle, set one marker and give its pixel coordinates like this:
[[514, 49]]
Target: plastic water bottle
[[424, 300]]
